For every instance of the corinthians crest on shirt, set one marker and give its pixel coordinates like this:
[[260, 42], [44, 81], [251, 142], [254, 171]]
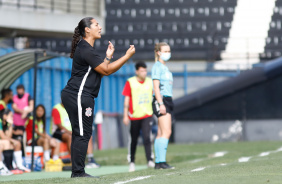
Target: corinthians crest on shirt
[[88, 112]]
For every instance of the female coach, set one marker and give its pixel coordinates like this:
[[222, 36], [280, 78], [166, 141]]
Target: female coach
[[78, 96], [162, 102]]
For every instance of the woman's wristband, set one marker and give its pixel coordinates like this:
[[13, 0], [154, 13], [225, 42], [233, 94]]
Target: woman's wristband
[[161, 103]]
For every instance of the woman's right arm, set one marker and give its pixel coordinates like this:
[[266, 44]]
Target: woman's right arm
[[107, 68], [158, 96]]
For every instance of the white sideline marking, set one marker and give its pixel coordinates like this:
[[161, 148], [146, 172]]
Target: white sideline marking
[[223, 164], [244, 159], [268, 152], [198, 169], [134, 179], [219, 154], [279, 149], [263, 154], [215, 155], [170, 174], [197, 160]]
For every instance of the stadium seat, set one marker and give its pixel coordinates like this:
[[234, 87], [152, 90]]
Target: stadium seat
[[188, 26], [274, 40]]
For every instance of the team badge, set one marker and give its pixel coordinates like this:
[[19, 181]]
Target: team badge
[[88, 112]]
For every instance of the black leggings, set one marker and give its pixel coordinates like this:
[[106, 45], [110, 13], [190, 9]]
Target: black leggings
[[137, 125], [81, 118]]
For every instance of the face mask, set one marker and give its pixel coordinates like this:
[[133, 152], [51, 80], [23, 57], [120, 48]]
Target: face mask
[[165, 56], [20, 96], [11, 101]]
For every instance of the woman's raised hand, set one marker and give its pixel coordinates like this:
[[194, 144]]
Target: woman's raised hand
[[110, 51], [131, 51]]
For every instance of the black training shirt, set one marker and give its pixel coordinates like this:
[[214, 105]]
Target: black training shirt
[[84, 79]]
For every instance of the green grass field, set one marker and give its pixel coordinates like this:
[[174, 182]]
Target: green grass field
[[264, 166]]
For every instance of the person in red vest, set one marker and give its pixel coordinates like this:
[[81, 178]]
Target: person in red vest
[[138, 92], [41, 136]]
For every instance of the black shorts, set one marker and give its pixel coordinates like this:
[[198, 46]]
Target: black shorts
[[168, 105], [58, 134], [80, 110], [19, 128]]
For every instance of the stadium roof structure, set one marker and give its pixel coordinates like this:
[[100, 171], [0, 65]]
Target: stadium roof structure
[[14, 64]]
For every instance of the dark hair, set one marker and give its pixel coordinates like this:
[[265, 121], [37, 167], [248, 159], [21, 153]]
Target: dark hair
[[4, 112], [5, 92], [20, 86], [79, 32], [140, 64], [43, 118]]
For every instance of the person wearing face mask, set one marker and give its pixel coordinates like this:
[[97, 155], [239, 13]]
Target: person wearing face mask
[[7, 97], [162, 102], [22, 106], [14, 153], [138, 110]]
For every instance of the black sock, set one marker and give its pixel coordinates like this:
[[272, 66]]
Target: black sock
[[8, 158]]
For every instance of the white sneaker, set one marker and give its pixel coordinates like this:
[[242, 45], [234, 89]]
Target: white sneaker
[[92, 165], [5, 172], [151, 164], [24, 169], [128, 158], [131, 167]]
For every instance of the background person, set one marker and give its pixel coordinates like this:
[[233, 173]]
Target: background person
[[162, 102], [41, 137], [138, 92], [6, 134], [22, 106], [6, 98]]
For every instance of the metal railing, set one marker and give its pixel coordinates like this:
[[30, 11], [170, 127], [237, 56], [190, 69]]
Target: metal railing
[[55, 6]]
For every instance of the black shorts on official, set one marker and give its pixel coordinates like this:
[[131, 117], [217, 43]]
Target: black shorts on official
[[80, 110], [168, 103]]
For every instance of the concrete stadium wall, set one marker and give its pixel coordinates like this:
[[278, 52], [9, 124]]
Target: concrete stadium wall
[[221, 131], [28, 21]]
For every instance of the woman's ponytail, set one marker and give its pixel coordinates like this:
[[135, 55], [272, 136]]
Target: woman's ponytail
[[79, 33], [75, 40]]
